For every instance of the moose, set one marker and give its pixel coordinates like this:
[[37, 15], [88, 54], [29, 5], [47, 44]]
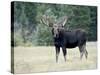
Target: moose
[[66, 38]]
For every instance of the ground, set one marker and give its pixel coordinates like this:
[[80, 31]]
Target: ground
[[42, 59]]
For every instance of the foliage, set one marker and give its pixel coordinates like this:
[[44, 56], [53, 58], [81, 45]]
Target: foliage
[[29, 31]]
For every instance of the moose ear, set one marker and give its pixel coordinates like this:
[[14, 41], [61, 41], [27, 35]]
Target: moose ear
[[64, 20]]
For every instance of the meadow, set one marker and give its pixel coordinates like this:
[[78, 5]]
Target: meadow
[[42, 59]]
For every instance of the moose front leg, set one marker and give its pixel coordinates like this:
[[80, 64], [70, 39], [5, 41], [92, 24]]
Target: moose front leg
[[64, 52], [57, 53]]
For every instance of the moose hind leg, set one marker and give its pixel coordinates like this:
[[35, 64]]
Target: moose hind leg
[[81, 49], [57, 53], [64, 53], [86, 53]]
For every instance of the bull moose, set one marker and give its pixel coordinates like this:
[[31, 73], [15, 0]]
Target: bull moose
[[66, 38]]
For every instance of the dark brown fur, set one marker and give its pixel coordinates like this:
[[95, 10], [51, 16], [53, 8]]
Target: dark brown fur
[[70, 39]]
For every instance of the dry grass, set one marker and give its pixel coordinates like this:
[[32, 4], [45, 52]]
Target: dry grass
[[42, 59]]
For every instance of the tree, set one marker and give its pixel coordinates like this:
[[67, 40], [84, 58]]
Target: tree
[[29, 30]]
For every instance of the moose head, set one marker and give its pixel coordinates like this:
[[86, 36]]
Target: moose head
[[56, 25]]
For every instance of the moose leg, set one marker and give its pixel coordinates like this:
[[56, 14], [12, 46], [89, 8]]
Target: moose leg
[[81, 49], [86, 54], [85, 51], [64, 52], [57, 53]]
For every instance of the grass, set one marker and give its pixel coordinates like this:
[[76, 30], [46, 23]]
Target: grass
[[42, 59]]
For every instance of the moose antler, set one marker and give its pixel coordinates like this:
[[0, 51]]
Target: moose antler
[[46, 20], [63, 20]]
